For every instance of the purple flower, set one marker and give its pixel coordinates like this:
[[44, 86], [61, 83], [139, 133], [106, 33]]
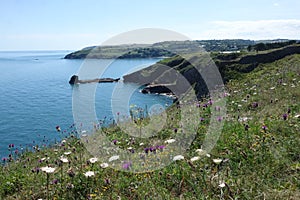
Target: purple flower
[[175, 130], [219, 119], [217, 108], [201, 119], [289, 111], [161, 147], [146, 150], [254, 105], [264, 127], [285, 116], [55, 181], [126, 165], [152, 149], [115, 141]]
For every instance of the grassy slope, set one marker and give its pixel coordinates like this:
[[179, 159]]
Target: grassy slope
[[257, 164]]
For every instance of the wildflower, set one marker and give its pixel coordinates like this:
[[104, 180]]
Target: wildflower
[[219, 119], [55, 181], [115, 141], [195, 158], [170, 141], [285, 116], [208, 155], [113, 158], [89, 174], [146, 150], [126, 165], [104, 165], [175, 130], [141, 144], [289, 111], [264, 128], [222, 185], [93, 160], [201, 119], [48, 170], [64, 160], [58, 128], [178, 157], [161, 147], [67, 153], [297, 116], [200, 151], [217, 161], [254, 105]]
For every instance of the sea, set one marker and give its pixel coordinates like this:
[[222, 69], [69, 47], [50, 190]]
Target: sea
[[36, 98]]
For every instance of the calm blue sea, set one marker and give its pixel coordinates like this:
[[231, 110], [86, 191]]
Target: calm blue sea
[[35, 95]]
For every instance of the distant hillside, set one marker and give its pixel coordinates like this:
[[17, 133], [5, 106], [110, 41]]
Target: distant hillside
[[231, 66], [161, 49]]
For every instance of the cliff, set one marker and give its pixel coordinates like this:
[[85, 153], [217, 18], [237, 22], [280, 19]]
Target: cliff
[[231, 66]]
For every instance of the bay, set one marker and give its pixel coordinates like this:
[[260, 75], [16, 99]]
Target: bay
[[35, 95]]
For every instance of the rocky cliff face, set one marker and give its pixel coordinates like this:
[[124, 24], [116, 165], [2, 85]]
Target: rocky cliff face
[[161, 73]]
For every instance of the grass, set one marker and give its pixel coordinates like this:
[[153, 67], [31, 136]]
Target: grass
[[258, 149]]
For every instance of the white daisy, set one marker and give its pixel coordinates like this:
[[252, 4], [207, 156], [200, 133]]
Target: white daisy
[[89, 174], [178, 157], [104, 165], [64, 160], [170, 141], [222, 185], [195, 158], [48, 170], [113, 158], [93, 160], [217, 161]]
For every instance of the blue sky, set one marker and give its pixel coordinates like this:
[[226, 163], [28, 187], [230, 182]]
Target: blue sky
[[71, 25]]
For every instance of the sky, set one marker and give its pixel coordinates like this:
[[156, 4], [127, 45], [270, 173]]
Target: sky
[[75, 24]]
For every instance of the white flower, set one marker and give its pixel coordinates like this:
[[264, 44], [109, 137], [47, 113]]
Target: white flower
[[67, 153], [297, 116], [113, 158], [170, 141], [48, 169], [222, 185], [103, 165], [129, 148], [208, 155], [178, 157], [195, 158], [89, 174], [93, 160], [217, 161], [64, 160], [141, 144], [272, 88], [63, 141], [200, 151]]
